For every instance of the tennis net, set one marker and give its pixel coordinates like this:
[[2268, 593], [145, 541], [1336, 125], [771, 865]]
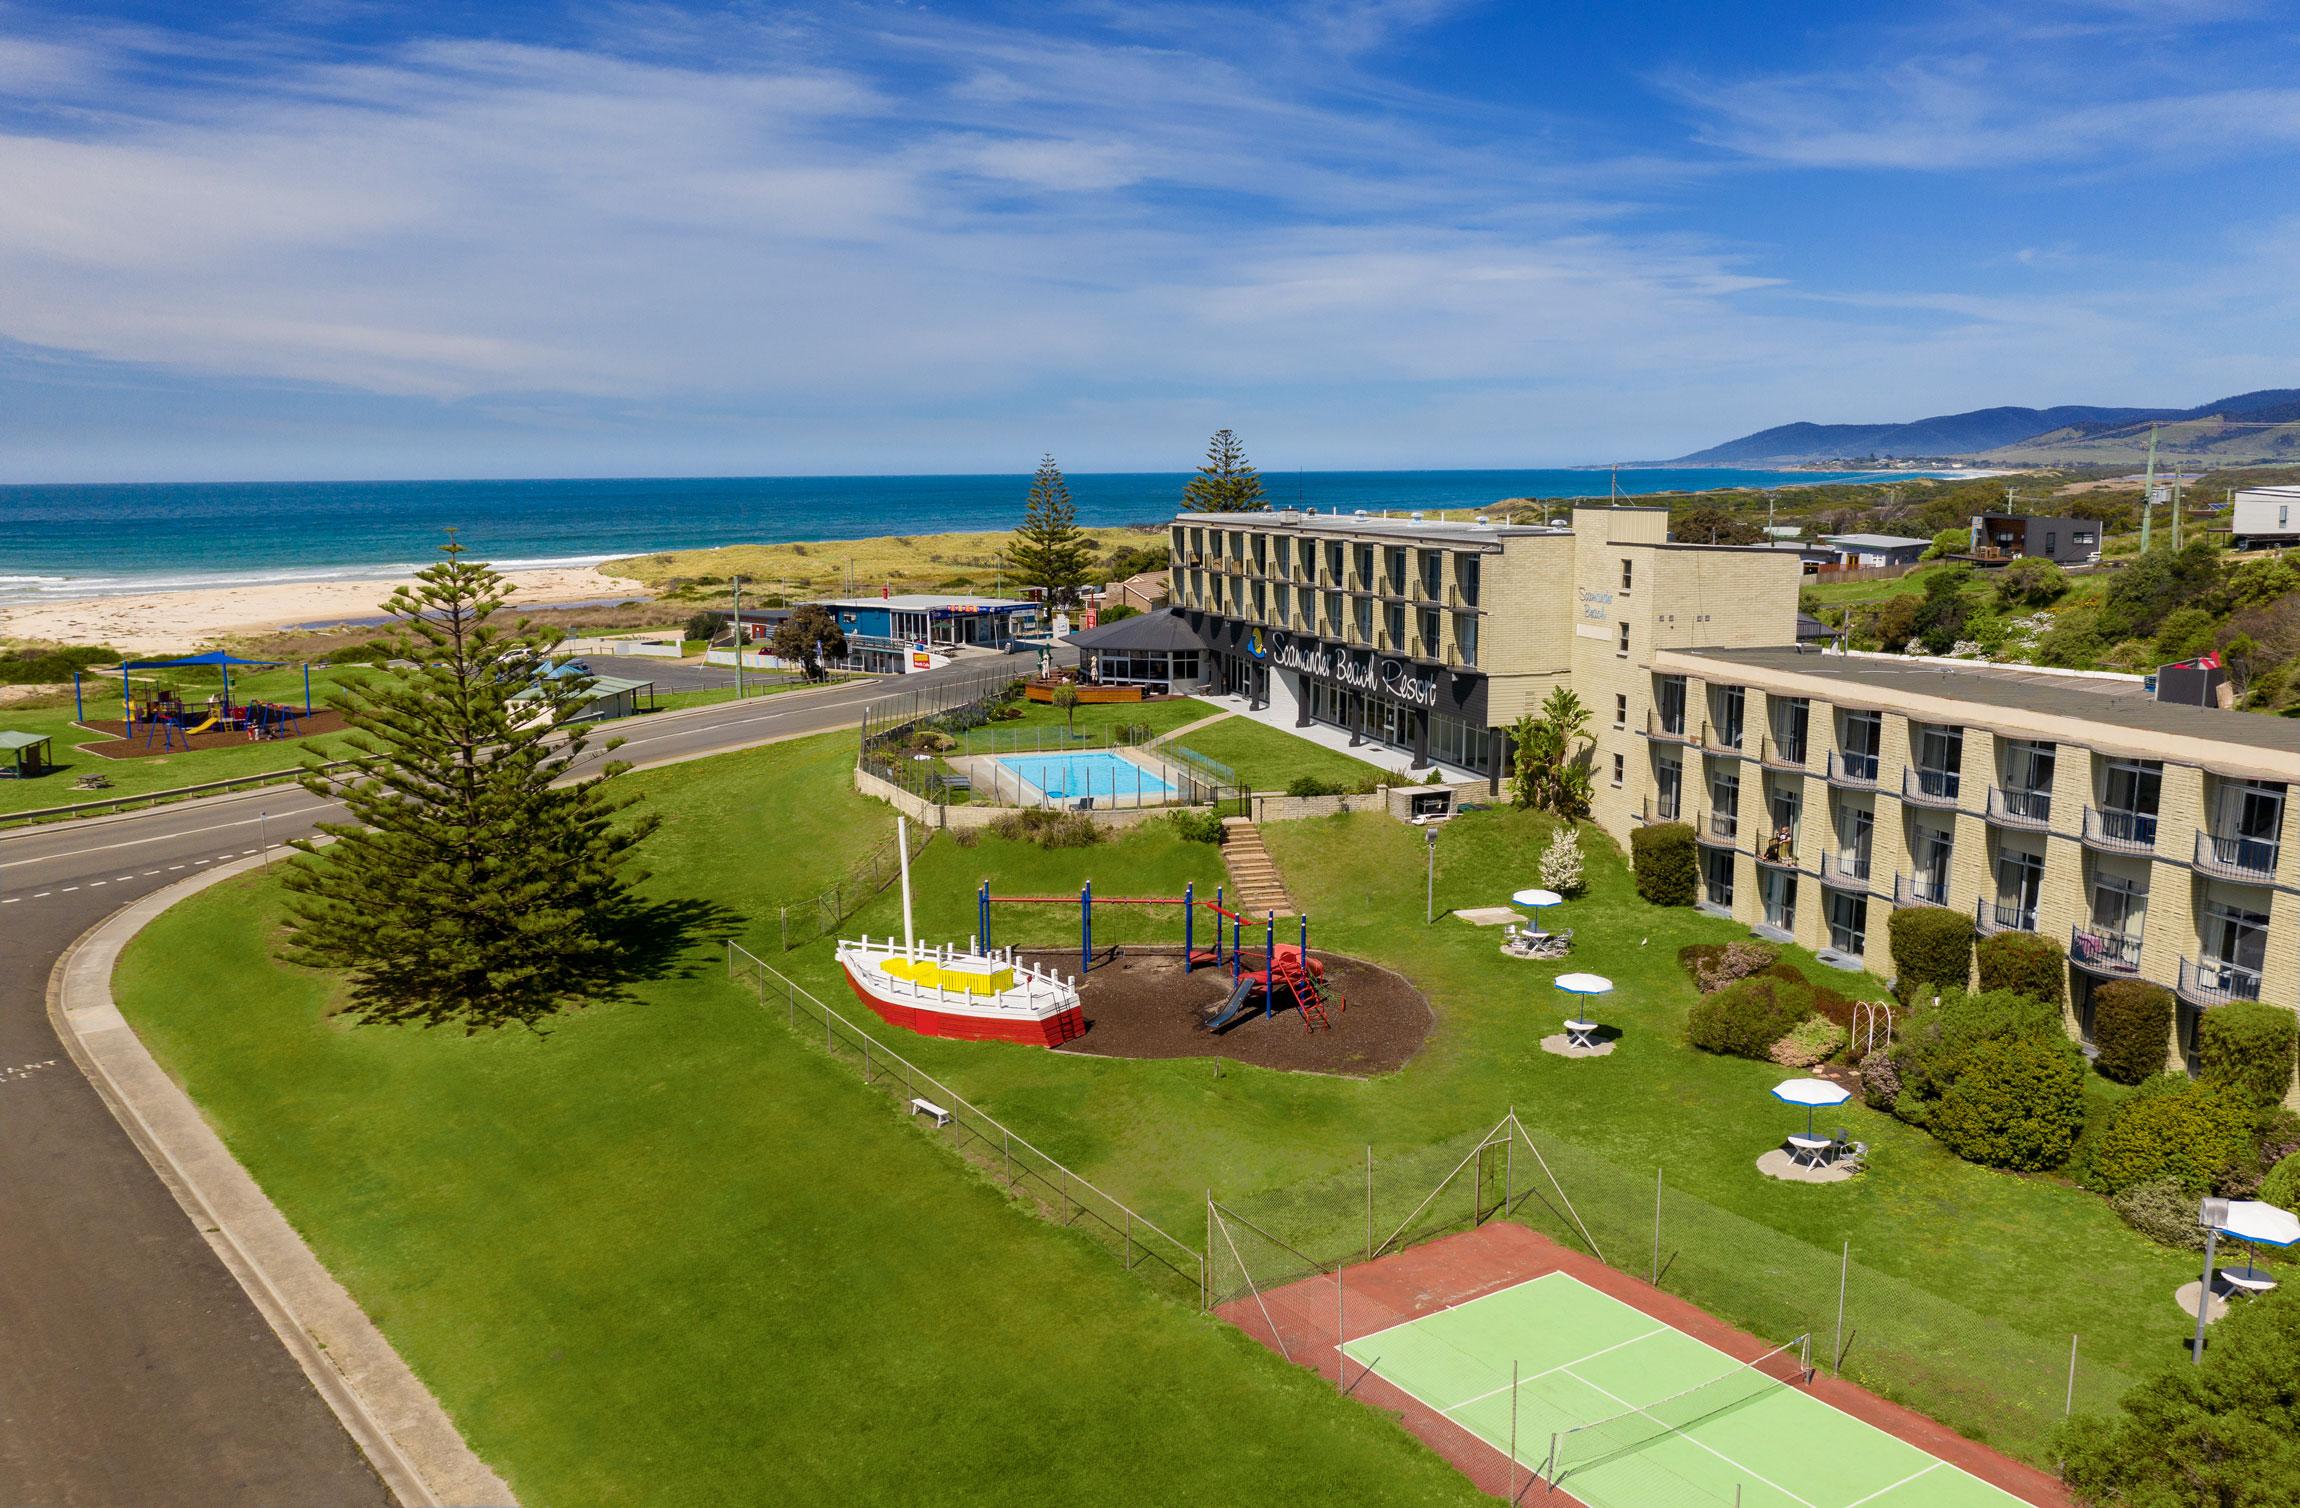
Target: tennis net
[[1633, 1429]]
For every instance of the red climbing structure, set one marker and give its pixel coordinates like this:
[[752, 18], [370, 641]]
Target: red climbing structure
[[1288, 973]]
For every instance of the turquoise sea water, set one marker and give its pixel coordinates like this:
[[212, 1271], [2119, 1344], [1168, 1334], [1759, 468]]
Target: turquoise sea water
[[58, 541]]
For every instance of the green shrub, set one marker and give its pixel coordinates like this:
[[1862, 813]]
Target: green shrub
[[1816, 1039], [1880, 1081], [1662, 853], [2191, 1133], [375, 652], [1932, 949], [2016, 1102], [1048, 829], [2025, 963], [1310, 785], [1937, 1040], [2132, 1028], [1196, 827], [1746, 1018], [2101, 1102], [2163, 1211], [2247, 1045], [2224, 1433], [2282, 1185]]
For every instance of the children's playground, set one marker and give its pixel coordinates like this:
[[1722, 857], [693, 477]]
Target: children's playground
[[1250, 989], [171, 707]]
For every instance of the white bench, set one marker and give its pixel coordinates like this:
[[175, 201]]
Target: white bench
[[929, 1107]]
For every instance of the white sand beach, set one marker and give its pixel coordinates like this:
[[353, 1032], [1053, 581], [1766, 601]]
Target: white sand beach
[[161, 622]]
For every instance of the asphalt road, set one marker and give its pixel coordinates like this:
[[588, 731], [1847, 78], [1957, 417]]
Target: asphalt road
[[133, 1369]]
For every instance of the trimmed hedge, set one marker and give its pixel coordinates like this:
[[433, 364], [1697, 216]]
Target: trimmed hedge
[[1663, 855], [1932, 949], [2247, 1045], [2017, 1103], [2282, 1185], [2132, 1027], [1936, 1042], [1748, 1016], [2025, 963], [2191, 1133], [2163, 1211]]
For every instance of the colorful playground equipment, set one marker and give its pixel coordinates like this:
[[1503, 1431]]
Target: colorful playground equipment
[[167, 720], [1285, 975]]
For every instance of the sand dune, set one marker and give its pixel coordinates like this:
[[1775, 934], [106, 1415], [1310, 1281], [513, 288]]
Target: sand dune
[[165, 622]]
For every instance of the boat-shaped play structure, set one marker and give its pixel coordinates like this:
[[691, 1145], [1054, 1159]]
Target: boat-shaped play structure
[[968, 993]]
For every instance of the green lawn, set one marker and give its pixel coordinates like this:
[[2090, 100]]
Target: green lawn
[[591, 1242], [1093, 719], [665, 1253], [158, 772], [1267, 758]]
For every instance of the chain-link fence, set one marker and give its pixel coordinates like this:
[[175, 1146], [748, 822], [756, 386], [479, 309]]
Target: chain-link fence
[[819, 915], [1059, 1193], [1974, 1372]]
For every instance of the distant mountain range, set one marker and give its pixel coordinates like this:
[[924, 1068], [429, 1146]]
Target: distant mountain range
[[2070, 434]]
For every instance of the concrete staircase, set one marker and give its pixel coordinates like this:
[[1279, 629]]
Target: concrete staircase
[[1255, 887]]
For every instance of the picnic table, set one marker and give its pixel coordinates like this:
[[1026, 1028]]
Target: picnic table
[[1808, 1151], [1580, 1033]]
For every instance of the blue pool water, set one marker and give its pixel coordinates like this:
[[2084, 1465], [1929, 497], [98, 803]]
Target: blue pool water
[[1066, 777]]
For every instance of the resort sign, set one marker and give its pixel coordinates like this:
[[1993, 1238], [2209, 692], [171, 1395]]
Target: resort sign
[[1359, 672]]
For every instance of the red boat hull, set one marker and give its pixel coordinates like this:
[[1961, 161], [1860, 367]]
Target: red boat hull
[[1062, 1026]]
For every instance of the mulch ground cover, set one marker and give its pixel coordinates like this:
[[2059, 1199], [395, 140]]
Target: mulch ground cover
[[130, 743], [1140, 1004]]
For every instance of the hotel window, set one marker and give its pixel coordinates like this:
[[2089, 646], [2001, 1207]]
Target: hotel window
[[1363, 564], [1364, 618], [1668, 789], [1623, 641], [1261, 599], [1333, 615], [1394, 620], [1261, 552], [1669, 703], [1465, 573], [1394, 562], [1717, 877], [1848, 922], [1285, 556], [1284, 597], [1465, 637], [1621, 709], [1309, 559], [1628, 573], [1334, 563], [1432, 646], [1433, 576], [1620, 771]]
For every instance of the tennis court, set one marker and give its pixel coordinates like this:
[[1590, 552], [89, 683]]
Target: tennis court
[[1620, 1410]]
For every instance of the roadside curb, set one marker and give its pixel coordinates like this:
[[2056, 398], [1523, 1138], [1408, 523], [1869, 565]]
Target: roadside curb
[[401, 1428]]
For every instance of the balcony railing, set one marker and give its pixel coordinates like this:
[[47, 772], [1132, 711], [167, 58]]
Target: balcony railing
[[1781, 756], [2112, 829], [2237, 858], [2003, 916], [1845, 871], [1715, 741], [1918, 890], [1853, 769], [2010, 807], [2100, 950], [1656, 728], [1718, 828], [2210, 982], [1461, 601], [1777, 855], [1658, 809], [1931, 787]]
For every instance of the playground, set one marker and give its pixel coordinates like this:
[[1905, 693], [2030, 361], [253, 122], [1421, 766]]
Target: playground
[[1252, 991]]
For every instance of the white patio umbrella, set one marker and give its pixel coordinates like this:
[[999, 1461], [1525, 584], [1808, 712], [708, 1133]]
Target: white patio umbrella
[[1537, 899], [1813, 1094], [2248, 1220], [1585, 984]]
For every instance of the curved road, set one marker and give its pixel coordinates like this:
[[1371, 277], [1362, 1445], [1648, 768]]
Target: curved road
[[133, 1369]]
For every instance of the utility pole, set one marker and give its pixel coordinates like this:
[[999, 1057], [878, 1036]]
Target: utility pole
[[2148, 493], [2176, 479], [742, 636]]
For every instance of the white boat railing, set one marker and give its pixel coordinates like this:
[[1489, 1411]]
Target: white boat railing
[[1042, 990]]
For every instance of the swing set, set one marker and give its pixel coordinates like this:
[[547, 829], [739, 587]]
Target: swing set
[[1282, 967]]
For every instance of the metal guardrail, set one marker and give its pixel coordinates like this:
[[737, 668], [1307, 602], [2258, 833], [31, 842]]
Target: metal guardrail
[[174, 792]]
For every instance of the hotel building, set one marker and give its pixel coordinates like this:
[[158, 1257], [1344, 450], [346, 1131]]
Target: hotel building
[[2150, 840]]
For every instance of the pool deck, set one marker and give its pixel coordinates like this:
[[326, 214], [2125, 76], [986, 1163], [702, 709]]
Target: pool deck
[[997, 782]]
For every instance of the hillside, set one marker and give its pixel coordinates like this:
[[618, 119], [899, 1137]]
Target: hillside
[[2073, 434]]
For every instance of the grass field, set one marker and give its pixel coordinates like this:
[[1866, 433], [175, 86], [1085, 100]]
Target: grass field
[[681, 1259], [130, 777], [1267, 758], [914, 562], [611, 1248]]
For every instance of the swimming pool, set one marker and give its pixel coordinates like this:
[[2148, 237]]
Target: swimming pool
[[1103, 775]]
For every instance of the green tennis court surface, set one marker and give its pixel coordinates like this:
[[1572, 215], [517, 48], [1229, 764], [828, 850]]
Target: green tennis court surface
[[1717, 1432]]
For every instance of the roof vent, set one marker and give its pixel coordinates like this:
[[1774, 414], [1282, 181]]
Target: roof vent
[[1481, 518], [1360, 513], [1416, 515]]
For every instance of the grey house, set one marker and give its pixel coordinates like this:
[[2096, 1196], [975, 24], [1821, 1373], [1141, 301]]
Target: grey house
[[1998, 538]]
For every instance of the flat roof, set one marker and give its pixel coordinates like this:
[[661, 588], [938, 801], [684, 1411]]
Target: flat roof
[[2117, 702], [916, 602], [1301, 521], [1878, 541], [9, 740]]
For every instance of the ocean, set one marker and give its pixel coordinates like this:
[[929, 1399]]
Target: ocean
[[78, 541]]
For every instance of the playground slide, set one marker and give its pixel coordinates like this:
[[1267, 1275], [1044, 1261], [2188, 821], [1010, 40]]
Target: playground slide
[[1241, 999], [204, 727]]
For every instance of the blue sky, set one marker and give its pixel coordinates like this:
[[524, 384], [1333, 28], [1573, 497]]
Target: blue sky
[[335, 239]]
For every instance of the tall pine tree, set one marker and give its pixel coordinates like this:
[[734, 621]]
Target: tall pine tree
[[1227, 483], [479, 882], [1049, 551]]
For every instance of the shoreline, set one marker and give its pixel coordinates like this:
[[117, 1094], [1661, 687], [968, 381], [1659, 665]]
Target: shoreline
[[162, 622]]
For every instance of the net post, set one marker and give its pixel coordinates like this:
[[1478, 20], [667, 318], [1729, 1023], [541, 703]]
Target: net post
[[1341, 1326], [1513, 1429], [1006, 1146], [1657, 1227], [1369, 1201], [1837, 1350], [1549, 1467], [2068, 1407]]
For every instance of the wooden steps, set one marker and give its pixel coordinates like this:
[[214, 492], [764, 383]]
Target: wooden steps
[[1255, 888]]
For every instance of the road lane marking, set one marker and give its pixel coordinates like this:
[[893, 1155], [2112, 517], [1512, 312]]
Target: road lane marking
[[171, 835], [92, 884], [67, 890]]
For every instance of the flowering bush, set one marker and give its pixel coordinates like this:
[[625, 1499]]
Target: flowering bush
[[1561, 861]]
